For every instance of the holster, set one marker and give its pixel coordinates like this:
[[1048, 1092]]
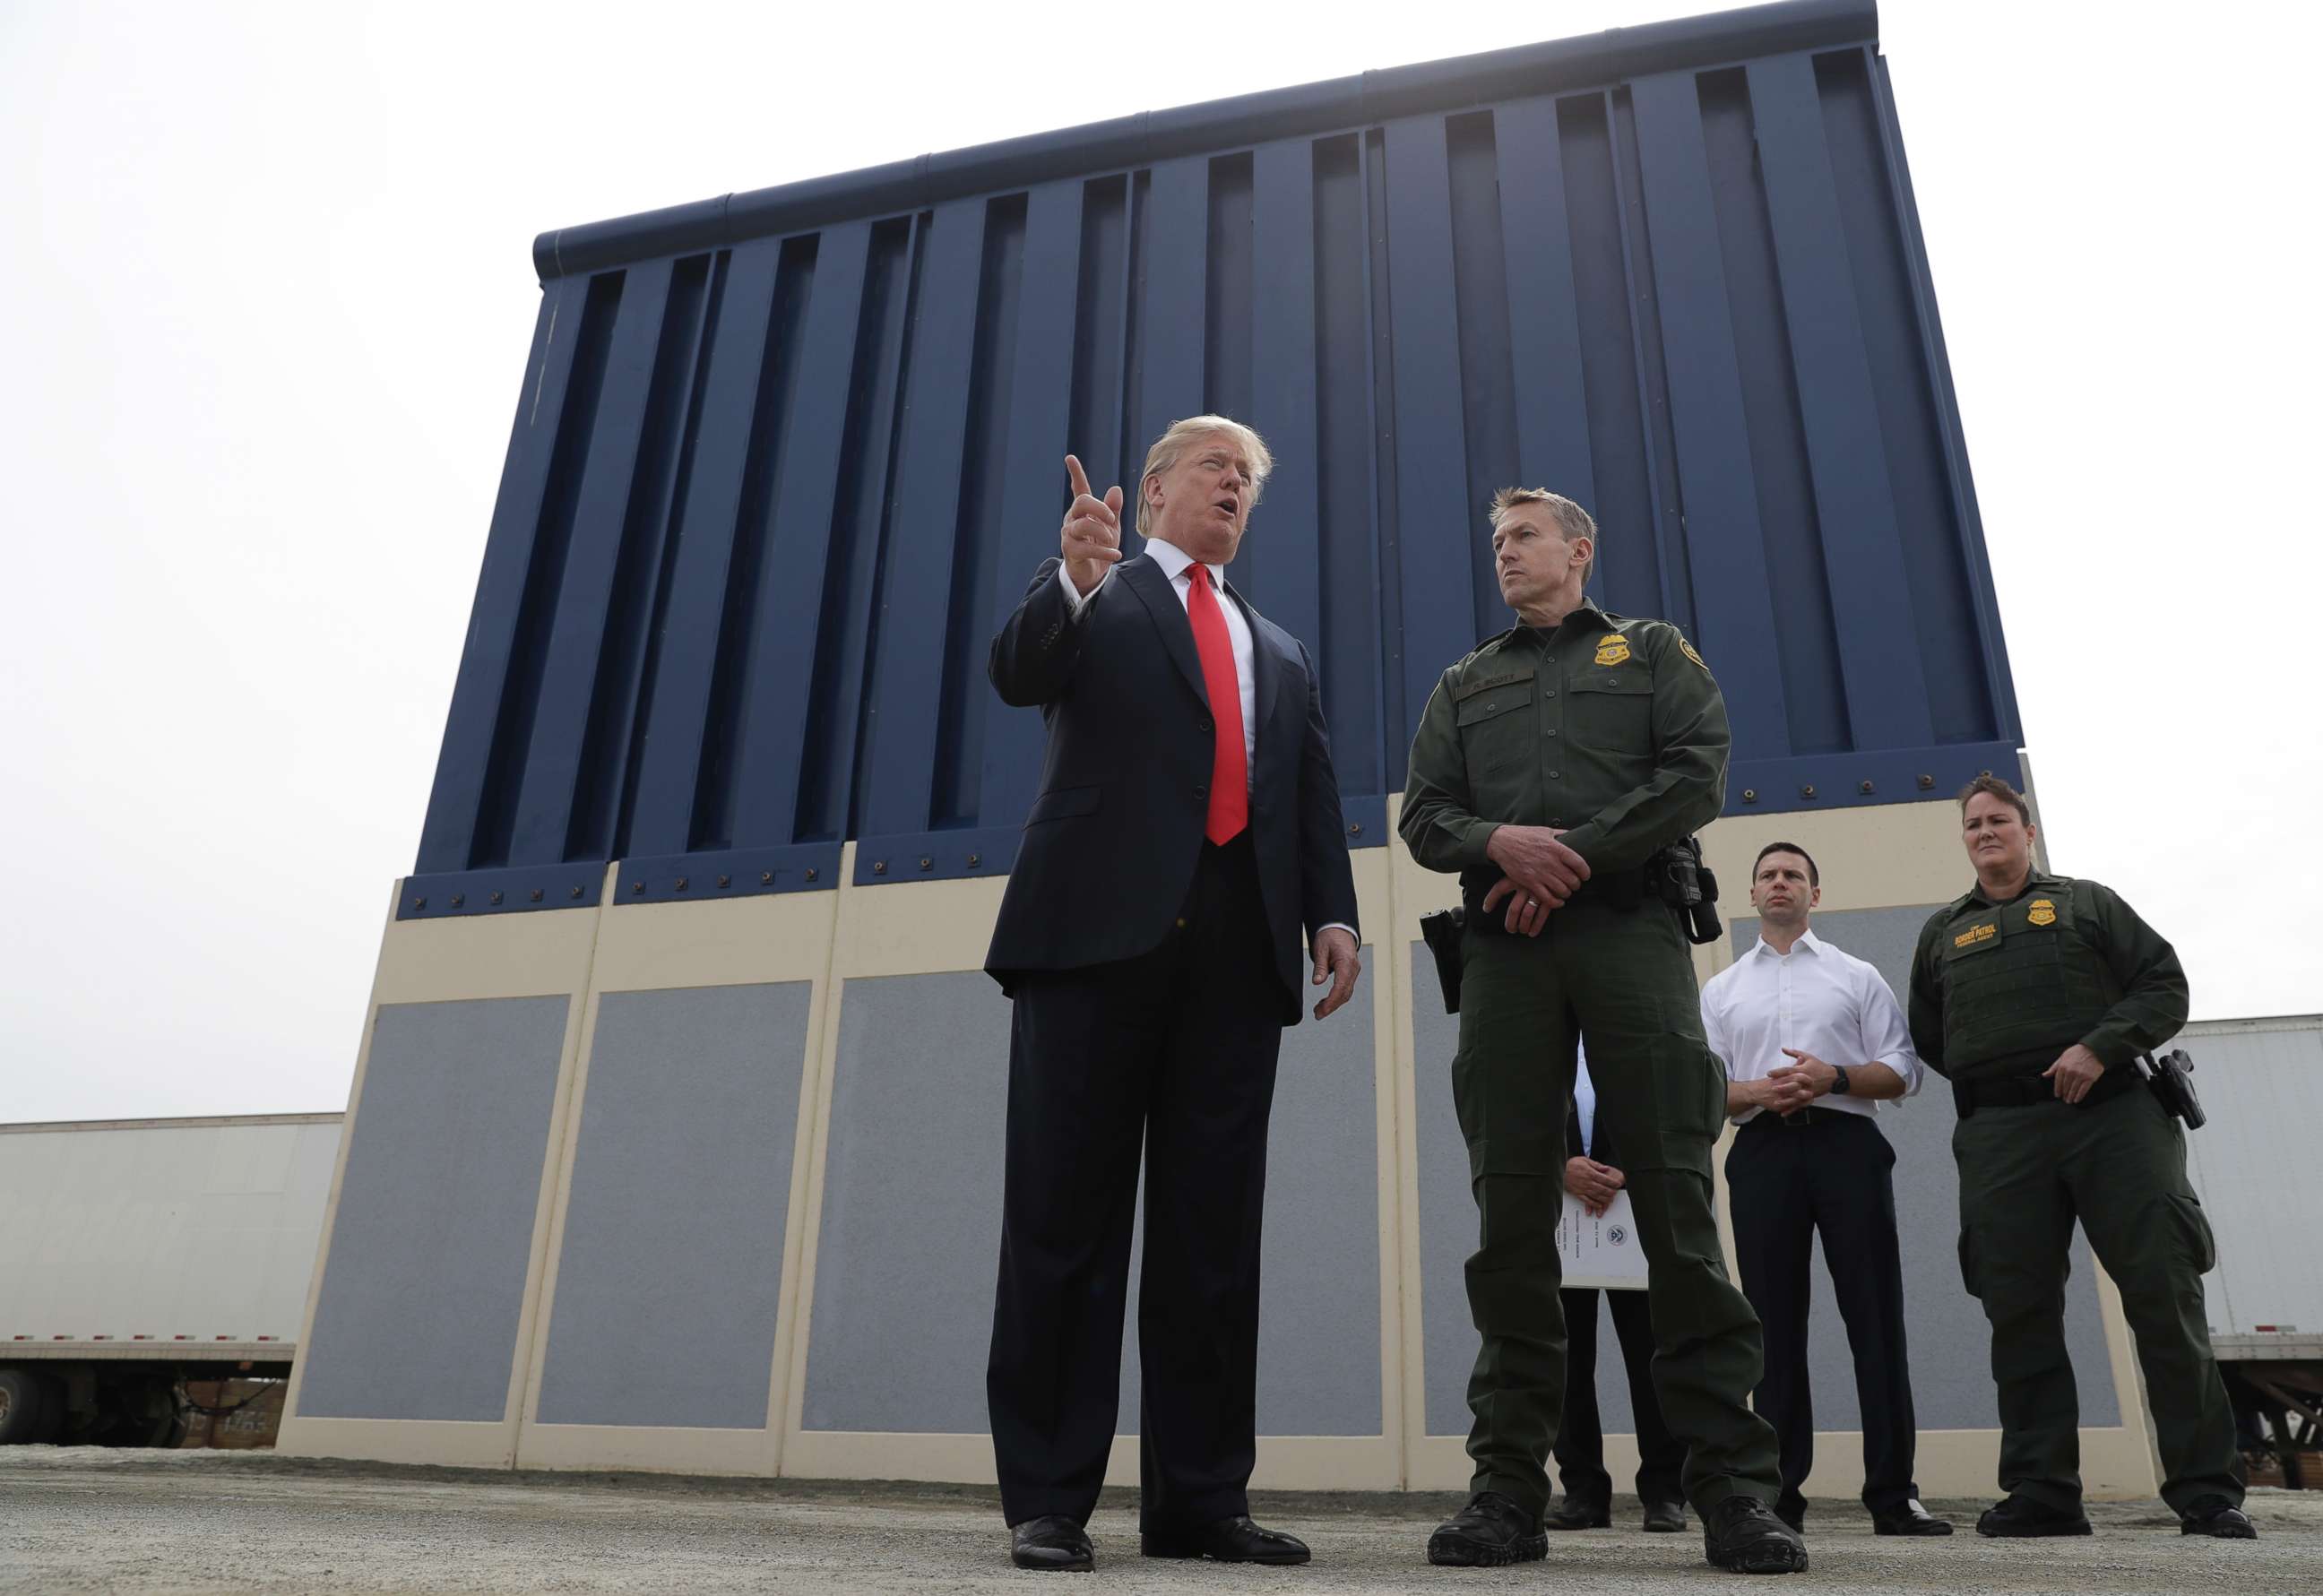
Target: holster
[[2171, 1079], [1441, 931]]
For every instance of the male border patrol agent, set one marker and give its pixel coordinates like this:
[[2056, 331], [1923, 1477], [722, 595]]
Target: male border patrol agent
[[2033, 994], [1552, 766]]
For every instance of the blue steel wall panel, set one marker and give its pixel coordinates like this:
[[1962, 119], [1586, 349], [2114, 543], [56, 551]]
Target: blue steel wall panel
[[782, 461]]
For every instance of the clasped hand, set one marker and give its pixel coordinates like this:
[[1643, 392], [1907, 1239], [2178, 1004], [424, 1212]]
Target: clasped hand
[[1539, 873], [1593, 1184]]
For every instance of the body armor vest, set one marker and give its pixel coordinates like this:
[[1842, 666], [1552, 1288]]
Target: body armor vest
[[2021, 982]]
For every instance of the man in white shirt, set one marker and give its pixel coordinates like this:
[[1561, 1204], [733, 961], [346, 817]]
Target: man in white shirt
[[1813, 1042]]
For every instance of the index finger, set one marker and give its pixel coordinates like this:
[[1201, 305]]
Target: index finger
[[1078, 478]]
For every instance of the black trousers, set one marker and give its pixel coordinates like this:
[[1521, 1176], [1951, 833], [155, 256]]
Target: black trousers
[[1175, 1049], [1581, 1439], [1836, 1175]]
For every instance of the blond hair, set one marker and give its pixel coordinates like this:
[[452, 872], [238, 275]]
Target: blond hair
[[1572, 520], [1172, 443]]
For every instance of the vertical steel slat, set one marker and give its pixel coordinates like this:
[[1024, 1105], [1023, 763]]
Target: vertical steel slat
[[1176, 289], [568, 681], [1431, 454], [447, 835], [1552, 401], [1944, 404], [1033, 497], [1287, 523], [1855, 502], [672, 757], [773, 734], [916, 591], [1725, 543]]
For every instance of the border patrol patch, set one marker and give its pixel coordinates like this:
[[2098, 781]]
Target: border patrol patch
[[1975, 934], [2043, 912], [1686, 648], [1613, 649]]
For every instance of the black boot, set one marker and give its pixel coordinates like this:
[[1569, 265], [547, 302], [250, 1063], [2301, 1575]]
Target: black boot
[[1578, 1512], [1489, 1531], [1743, 1536], [2215, 1516], [2022, 1517], [1664, 1517]]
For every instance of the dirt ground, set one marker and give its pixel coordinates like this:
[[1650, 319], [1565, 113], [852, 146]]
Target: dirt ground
[[80, 1520]]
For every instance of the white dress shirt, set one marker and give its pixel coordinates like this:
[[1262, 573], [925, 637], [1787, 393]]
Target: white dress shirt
[[1175, 562], [1585, 1100], [1814, 998]]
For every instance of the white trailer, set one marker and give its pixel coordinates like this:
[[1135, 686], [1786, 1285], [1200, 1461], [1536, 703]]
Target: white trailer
[[137, 1254], [2262, 1085]]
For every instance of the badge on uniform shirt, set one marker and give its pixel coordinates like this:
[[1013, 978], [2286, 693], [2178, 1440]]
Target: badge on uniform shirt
[[1975, 934], [1686, 648], [1613, 649], [2043, 912]]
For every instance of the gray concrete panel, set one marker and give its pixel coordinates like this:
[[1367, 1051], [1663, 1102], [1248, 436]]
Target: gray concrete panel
[[424, 1281], [1951, 1342], [670, 1271], [903, 1302]]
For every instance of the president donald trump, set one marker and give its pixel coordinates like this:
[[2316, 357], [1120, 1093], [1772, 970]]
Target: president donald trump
[[1185, 849]]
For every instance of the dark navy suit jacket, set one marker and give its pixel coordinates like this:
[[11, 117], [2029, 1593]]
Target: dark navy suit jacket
[[1112, 841]]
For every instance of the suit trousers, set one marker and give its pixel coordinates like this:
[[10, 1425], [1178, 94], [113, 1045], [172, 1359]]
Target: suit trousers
[[1580, 1448], [1785, 1183], [1175, 1049]]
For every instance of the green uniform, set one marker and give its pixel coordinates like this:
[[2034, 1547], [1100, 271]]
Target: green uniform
[[1999, 991], [1615, 730]]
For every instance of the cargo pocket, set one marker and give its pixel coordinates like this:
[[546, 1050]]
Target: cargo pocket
[[2192, 1229]]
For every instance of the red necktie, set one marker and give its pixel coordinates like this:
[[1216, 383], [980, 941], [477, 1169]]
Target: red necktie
[[1229, 765]]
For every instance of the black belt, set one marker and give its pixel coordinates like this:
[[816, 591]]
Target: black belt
[[2024, 1091], [1800, 1119]]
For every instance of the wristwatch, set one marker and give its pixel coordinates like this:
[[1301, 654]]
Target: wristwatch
[[1839, 1084]]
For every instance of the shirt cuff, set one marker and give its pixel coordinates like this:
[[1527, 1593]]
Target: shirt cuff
[[1334, 925], [1075, 600]]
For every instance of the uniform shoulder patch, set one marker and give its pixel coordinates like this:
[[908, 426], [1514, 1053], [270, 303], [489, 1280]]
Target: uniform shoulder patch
[[1686, 648]]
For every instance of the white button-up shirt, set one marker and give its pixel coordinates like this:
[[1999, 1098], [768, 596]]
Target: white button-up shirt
[[1175, 562], [1814, 998]]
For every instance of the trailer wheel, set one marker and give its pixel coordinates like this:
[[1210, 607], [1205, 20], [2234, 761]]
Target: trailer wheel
[[24, 1407]]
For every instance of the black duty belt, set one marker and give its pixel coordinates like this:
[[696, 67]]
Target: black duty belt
[[2025, 1091], [1800, 1119]]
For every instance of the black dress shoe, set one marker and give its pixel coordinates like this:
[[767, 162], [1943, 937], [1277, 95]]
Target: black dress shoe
[[1580, 1513], [1911, 1518], [1492, 1529], [1225, 1540], [2020, 1517], [1743, 1536], [2215, 1516], [1664, 1517], [1055, 1544]]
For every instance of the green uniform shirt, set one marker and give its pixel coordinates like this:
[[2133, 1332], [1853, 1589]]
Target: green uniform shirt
[[2140, 1004], [1610, 728]]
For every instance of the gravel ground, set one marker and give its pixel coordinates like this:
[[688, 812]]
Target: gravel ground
[[81, 1520]]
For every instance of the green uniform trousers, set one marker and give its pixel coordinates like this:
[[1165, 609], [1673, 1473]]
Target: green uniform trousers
[[2119, 1166], [1621, 981]]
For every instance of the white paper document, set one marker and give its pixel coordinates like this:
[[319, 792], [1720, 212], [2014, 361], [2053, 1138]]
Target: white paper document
[[1601, 1250]]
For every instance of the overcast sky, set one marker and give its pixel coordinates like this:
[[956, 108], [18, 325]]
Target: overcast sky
[[267, 293]]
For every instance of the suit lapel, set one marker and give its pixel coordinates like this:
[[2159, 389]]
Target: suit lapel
[[1143, 577], [1266, 663]]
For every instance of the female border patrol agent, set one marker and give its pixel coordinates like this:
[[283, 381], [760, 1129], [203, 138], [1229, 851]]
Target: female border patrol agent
[[1551, 766], [2032, 993]]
